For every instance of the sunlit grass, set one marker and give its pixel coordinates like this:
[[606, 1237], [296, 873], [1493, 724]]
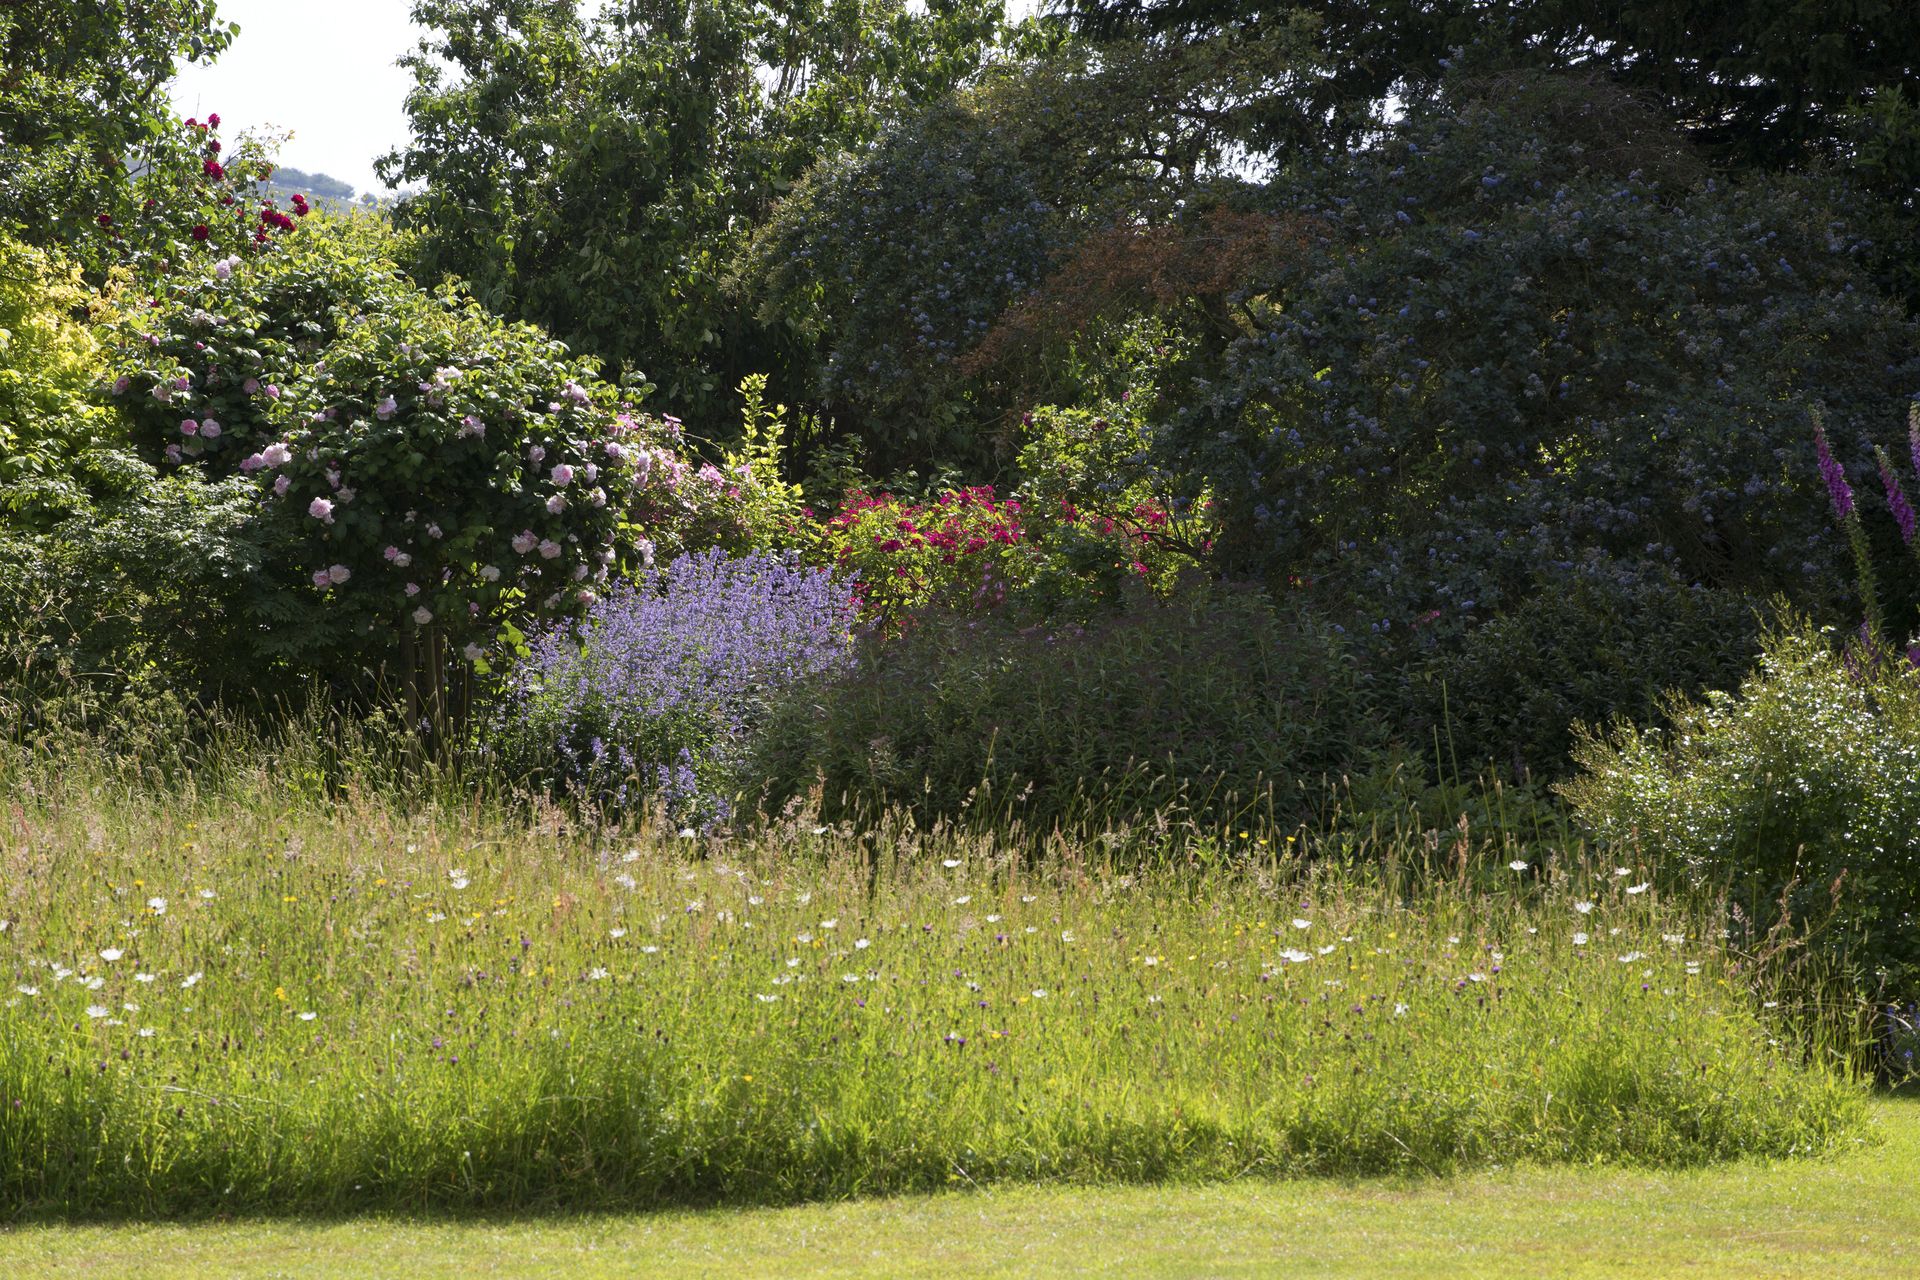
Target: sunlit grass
[[243, 1000]]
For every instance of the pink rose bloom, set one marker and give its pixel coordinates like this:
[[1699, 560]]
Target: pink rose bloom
[[523, 542], [549, 548], [387, 408], [413, 589], [223, 269], [338, 573], [642, 465], [173, 453], [321, 580], [210, 429], [281, 484], [402, 560], [579, 573], [562, 475], [181, 384], [188, 427], [535, 453], [598, 497], [252, 462], [433, 531], [273, 392], [490, 572], [556, 504], [590, 473], [321, 509], [471, 425], [277, 454], [250, 386], [423, 615], [391, 553], [162, 393], [120, 385], [346, 495]]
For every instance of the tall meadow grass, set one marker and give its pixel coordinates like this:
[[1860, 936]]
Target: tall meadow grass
[[283, 982]]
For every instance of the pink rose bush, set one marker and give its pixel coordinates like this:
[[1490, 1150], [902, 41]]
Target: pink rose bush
[[423, 471]]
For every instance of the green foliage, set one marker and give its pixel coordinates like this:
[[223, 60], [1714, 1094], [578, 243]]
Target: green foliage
[[1800, 795], [82, 105], [54, 423], [1759, 83], [1583, 648], [1530, 337], [597, 176], [139, 595], [894, 261], [1210, 702]]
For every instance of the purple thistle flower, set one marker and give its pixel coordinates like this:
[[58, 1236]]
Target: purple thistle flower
[[1833, 474], [1896, 497]]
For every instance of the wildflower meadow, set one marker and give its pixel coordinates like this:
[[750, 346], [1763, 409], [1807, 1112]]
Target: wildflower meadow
[[1121, 614]]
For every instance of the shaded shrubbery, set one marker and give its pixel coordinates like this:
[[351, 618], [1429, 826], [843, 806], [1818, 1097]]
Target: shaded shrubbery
[[1211, 703]]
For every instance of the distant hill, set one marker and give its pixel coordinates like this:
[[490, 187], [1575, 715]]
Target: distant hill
[[314, 184]]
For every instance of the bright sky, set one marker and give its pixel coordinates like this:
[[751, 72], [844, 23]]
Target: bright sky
[[323, 69]]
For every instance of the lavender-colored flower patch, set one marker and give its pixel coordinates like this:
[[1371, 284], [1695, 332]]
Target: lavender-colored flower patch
[[651, 696]]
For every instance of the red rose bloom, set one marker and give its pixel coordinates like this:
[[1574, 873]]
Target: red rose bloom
[[106, 219], [200, 232], [214, 119], [213, 169]]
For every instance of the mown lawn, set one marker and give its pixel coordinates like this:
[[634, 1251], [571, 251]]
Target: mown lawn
[[1855, 1215]]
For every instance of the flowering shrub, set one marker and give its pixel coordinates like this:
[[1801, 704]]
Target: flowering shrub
[[1114, 514], [962, 548], [653, 693], [429, 471], [1089, 518], [1799, 793]]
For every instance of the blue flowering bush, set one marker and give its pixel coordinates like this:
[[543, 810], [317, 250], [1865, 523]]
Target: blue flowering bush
[[650, 698]]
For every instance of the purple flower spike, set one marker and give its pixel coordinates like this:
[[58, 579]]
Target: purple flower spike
[[1833, 474], [1896, 497]]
